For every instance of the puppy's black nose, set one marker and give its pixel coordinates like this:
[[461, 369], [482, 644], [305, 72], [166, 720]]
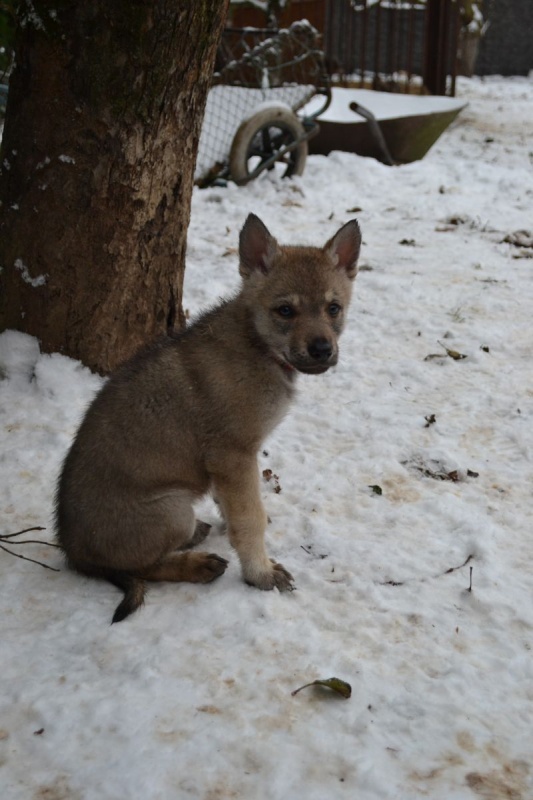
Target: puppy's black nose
[[320, 349]]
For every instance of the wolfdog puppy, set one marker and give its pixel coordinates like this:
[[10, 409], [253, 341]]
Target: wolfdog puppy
[[187, 415]]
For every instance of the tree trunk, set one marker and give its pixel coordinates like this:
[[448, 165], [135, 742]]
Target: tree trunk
[[102, 126]]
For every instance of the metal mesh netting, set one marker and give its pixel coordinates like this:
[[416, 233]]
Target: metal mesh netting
[[254, 67], [227, 108]]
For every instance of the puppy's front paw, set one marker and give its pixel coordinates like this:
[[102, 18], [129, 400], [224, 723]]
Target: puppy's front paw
[[275, 578], [283, 579]]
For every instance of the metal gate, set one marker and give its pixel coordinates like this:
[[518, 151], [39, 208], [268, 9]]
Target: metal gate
[[393, 45]]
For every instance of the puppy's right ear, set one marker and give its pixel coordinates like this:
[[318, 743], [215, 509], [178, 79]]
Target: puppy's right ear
[[257, 247], [345, 246]]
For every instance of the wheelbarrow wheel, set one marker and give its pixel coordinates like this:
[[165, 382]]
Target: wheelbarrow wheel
[[261, 137]]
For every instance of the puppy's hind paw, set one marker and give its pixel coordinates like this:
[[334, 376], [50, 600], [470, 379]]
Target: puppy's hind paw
[[201, 532], [207, 567]]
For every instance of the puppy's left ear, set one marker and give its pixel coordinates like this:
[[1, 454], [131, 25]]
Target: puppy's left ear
[[344, 248]]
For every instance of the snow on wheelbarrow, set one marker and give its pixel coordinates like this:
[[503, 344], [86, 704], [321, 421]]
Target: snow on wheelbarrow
[[394, 128], [253, 120]]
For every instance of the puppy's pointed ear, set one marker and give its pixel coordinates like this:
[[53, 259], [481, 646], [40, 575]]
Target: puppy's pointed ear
[[344, 248], [257, 247]]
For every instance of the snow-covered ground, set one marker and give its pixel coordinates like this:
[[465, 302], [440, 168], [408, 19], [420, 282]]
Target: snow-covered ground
[[191, 696]]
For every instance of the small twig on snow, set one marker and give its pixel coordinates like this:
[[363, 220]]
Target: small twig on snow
[[4, 537], [32, 541], [454, 569], [25, 558], [18, 533], [440, 574]]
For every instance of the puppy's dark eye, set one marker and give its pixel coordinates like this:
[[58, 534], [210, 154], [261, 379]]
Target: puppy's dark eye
[[334, 309], [286, 311]]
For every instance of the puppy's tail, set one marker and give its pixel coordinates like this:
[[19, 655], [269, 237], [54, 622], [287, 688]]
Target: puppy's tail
[[133, 588]]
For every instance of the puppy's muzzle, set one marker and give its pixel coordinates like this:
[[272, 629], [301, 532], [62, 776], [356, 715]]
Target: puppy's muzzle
[[320, 356], [320, 350]]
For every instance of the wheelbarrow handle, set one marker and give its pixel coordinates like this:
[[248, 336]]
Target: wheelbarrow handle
[[375, 130]]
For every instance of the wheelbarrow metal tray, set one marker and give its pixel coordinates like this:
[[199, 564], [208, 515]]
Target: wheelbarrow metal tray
[[411, 124]]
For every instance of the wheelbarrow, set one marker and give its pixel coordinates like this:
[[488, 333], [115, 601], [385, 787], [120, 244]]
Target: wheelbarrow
[[255, 120]]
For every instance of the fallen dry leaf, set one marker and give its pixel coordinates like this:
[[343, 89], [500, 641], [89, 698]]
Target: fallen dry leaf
[[268, 475], [335, 684], [520, 238], [453, 353]]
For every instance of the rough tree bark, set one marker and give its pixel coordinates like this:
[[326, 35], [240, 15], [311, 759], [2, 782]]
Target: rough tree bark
[[100, 139]]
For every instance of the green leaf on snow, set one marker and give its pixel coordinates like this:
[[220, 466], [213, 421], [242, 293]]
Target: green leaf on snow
[[335, 684]]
